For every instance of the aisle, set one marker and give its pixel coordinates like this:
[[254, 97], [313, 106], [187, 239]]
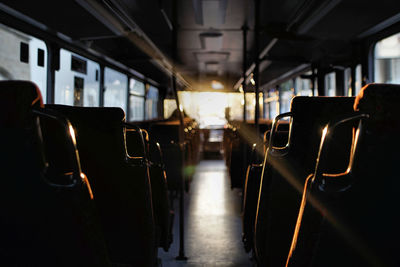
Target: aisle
[[213, 224]]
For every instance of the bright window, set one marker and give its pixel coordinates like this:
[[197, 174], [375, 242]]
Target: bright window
[[330, 84], [116, 84], [286, 90], [77, 82], [23, 57], [152, 103], [136, 100], [303, 87], [387, 60]]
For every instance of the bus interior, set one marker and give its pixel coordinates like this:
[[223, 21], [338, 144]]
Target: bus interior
[[199, 133]]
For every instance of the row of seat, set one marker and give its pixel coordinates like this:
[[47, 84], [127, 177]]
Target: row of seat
[[237, 146], [52, 214], [329, 202]]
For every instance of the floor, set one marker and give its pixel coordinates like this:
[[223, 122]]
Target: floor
[[212, 222]]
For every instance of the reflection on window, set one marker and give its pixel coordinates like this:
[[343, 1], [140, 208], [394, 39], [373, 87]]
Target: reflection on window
[[152, 103], [330, 84], [136, 100], [77, 81], [23, 57], [387, 60], [116, 84]]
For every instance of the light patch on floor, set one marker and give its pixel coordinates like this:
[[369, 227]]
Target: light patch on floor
[[213, 224]]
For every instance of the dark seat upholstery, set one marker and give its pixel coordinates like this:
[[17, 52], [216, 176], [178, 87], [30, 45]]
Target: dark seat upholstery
[[163, 215], [252, 187], [356, 222], [250, 198], [122, 190], [284, 174], [173, 156], [47, 212]]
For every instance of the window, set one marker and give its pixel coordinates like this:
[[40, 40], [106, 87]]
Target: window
[[169, 107], [23, 57], [116, 84], [286, 95], [303, 87], [387, 60], [136, 100], [358, 79], [76, 82], [347, 82], [272, 104], [152, 103], [330, 84]]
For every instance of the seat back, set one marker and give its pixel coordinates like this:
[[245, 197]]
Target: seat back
[[123, 194], [285, 171], [47, 212], [355, 223]]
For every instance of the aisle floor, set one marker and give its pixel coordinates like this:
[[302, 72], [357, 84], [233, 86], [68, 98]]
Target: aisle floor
[[212, 221]]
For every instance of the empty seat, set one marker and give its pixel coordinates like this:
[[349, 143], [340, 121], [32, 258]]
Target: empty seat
[[173, 154], [163, 215], [285, 170], [350, 218], [252, 187], [120, 183], [47, 211]]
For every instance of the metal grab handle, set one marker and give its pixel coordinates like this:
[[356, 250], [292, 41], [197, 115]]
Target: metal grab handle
[[274, 130], [322, 159], [71, 145], [141, 160]]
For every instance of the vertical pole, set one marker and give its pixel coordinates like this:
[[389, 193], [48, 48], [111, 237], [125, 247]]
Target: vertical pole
[[102, 86], [181, 256], [321, 81], [244, 66], [53, 64], [257, 63], [353, 80], [312, 81], [128, 102], [340, 82]]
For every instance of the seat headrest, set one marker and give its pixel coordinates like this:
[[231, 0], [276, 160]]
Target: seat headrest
[[17, 98], [99, 117], [381, 101], [312, 106]]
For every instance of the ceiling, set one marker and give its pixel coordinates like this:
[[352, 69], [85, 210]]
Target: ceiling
[[294, 34]]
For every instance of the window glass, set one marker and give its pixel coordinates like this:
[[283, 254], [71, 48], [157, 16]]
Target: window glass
[[152, 103], [169, 107], [136, 100], [387, 60], [23, 57], [136, 87], [286, 95], [330, 84], [358, 79], [136, 108], [77, 81], [235, 105], [116, 84], [347, 82], [303, 87], [272, 104]]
